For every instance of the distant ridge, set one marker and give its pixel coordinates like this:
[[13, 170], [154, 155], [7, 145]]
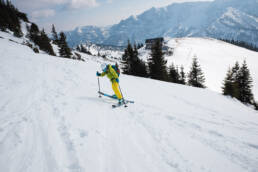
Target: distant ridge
[[221, 19]]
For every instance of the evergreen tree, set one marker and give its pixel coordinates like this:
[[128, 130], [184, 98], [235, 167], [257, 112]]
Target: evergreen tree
[[78, 48], [235, 84], [142, 69], [229, 86], [182, 76], [157, 63], [244, 81], [10, 18], [256, 105], [127, 59], [173, 74], [138, 66], [195, 76], [235, 70], [83, 49], [140, 45], [40, 38], [64, 50], [34, 33], [242, 44], [45, 43], [132, 65], [54, 35], [125, 66], [238, 84]]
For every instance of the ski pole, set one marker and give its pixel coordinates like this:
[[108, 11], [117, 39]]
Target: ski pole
[[99, 87], [122, 95]]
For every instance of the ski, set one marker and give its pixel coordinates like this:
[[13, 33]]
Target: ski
[[112, 97], [120, 104], [117, 105], [107, 95]]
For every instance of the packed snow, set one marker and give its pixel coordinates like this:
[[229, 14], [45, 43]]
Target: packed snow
[[51, 119]]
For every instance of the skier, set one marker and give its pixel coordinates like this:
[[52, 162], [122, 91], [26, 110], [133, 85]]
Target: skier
[[112, 73]]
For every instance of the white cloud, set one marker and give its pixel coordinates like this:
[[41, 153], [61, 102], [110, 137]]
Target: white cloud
[[83, 3], [28, 5], [43, 13]]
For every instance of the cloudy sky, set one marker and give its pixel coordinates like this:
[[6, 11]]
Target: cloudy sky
[[68, 14]]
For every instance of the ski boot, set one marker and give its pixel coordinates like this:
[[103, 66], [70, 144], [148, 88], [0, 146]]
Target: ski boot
[[114, 96], [120, 101]]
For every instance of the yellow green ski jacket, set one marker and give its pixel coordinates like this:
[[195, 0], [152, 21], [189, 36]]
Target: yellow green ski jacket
[[111, 73]]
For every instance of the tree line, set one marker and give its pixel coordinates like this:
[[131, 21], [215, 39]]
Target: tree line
[[241, 44], [156, 67], [10, 19], [64, 50], [237, 83], [43, 42]]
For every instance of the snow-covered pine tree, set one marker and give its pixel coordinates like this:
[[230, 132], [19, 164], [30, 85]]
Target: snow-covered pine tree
[[235, 73], [78, 48], [229, 86], [127, 59], [10, 18], [173, 74], [138, 66], [238, 84], [45, 45], [33, 32], [54, 35], [83, 49], [244, 81], [196, 76], [132, 65], [40, 38], [182, 76], [157, 63], [235, 70], [64, 50]]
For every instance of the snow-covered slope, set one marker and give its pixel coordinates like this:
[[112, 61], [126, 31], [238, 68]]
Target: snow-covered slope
[[51, 119], [109, 52], [227, 19], [214, 56]]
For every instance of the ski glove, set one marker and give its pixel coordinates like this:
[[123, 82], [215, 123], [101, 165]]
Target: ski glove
[[98, 74], [117, 80]]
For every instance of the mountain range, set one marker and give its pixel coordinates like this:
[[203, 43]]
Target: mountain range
[[221, 19]]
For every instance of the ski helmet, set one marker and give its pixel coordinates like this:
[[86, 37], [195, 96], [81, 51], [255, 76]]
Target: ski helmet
[[103, 67]]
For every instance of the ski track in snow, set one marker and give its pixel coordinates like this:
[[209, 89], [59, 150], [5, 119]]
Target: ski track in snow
[[51, 119], [196, 133]]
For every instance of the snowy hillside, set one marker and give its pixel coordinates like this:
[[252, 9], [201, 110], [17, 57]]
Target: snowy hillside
[[51, 119], [227, 19], [214, 56], [109, 52]]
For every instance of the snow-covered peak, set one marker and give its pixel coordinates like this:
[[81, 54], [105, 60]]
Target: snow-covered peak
[[234, 16], [199, 19], [79, 30]]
